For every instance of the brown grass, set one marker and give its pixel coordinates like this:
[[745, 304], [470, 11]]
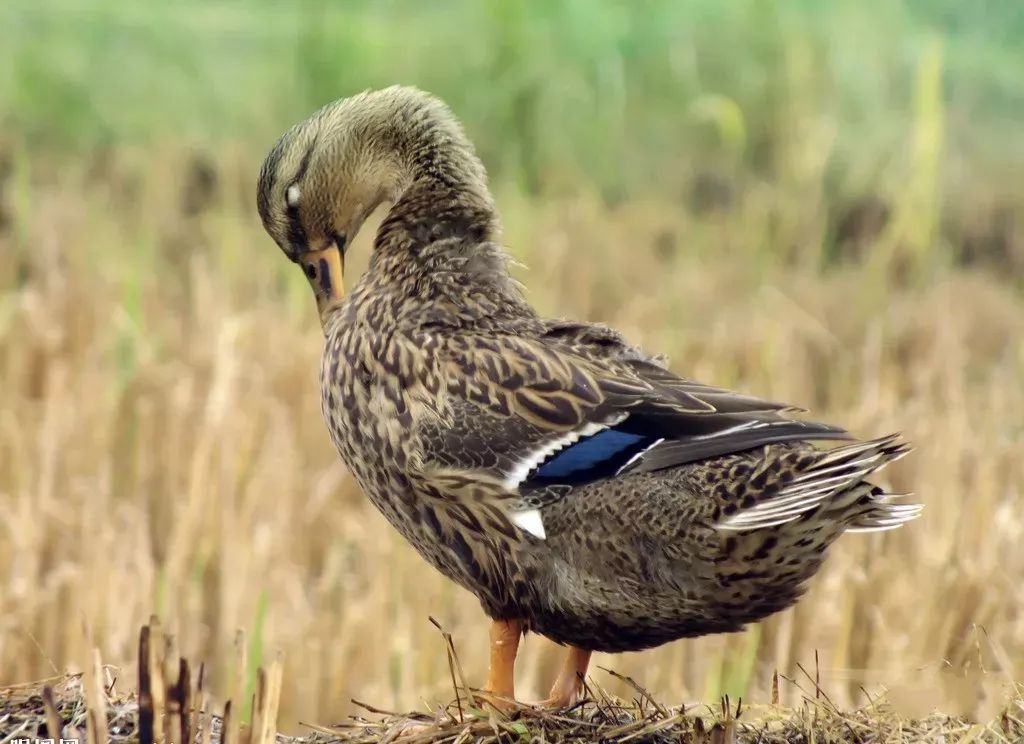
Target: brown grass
[[161, 448], [172, 704], [607, 719]]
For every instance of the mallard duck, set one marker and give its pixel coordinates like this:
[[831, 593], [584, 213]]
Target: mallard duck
[[579, 488]]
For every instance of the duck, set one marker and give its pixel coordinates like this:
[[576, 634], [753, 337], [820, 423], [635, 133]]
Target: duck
[[570, 480]]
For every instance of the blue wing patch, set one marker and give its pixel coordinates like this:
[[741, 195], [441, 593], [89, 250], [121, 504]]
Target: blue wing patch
[[598, 456]]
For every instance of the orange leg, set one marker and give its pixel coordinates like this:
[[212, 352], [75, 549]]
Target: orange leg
[[569, 684], [501, 685]]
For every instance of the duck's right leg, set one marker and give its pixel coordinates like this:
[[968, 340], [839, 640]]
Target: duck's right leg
[[569, 685]]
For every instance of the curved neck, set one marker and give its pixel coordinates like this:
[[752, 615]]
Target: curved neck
[[442, 237], [433, 209], [443, 220], [444, 190]]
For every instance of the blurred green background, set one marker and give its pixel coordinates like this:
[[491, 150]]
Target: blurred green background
[[878, 108]]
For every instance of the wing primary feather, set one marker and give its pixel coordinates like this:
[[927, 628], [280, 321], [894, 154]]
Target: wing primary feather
[[682, 450], [639, 454]]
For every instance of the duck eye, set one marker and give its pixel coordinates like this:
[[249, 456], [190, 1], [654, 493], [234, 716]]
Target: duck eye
[[310, 270]]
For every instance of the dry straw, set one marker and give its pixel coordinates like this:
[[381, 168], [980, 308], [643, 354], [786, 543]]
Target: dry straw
[[165, 711]]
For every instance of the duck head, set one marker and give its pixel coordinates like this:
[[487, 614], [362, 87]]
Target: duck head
[[325, 175]]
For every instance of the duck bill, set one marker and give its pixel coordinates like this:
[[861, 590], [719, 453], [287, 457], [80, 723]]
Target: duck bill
[[325, 270]]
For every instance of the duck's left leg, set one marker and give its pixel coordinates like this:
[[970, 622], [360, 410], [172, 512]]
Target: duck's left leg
[[501, 686], [569, 684]]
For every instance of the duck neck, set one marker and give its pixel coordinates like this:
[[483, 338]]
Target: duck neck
[[442, 228]]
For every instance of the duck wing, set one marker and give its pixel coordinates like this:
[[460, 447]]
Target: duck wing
[[574, 403]]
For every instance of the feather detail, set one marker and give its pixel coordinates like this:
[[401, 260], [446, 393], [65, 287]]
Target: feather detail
[[600, 455], [884, 517], [529, 520], [560, 386], [533, 459], [477, 502], [713, 438], [625, 467], [837, 473]]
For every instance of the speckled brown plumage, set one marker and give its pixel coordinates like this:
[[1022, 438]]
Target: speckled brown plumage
[[565, 477]]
